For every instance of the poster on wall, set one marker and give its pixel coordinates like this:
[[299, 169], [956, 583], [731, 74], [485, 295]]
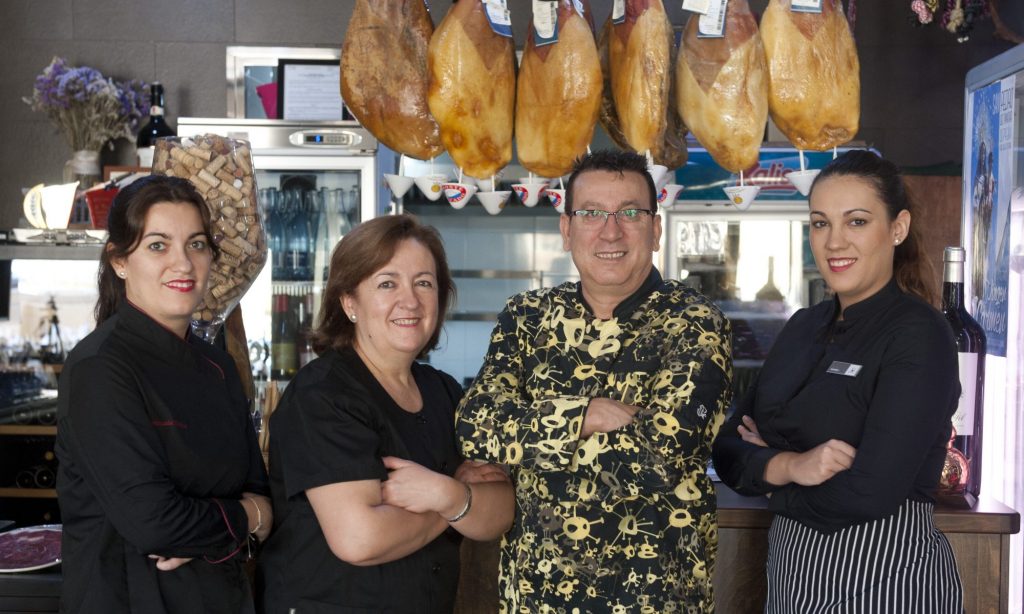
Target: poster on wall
[[988, 197]]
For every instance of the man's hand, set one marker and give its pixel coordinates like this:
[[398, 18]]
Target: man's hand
[[606, 415], [749, 433], [475, 472], [812, 467], [168, 563]]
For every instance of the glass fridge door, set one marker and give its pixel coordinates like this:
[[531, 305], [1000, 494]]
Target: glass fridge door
[[757, 268], [309, 203]]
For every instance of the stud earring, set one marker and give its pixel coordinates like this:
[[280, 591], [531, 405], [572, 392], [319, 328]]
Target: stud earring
[[121, 274], [352, 317]]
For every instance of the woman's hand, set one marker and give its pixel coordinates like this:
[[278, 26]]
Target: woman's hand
[[812, 467], [164, 563], [749, 433], [260, 512], [417, 489], [476, 472]]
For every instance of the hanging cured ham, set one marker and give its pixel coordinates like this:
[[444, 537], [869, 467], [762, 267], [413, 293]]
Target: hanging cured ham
[[384, 74], [636, 57], [813, 74], [472, 89], [558, 95], [723, 88]]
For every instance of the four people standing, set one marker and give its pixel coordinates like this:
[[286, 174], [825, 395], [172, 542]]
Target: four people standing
[[599, 400]]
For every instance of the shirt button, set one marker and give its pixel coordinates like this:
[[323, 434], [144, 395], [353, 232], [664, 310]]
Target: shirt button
[[436, 568], [421, 419]]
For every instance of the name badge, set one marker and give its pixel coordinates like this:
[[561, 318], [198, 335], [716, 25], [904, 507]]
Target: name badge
[[844, 368]]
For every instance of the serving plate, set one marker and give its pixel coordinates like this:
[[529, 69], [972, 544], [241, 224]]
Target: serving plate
[[30, 548]]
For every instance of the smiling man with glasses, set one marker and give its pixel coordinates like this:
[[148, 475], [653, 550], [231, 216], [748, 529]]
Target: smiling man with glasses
[[602, 398]]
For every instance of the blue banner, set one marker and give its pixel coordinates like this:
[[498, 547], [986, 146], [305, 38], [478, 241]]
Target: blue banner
[[702, 179]]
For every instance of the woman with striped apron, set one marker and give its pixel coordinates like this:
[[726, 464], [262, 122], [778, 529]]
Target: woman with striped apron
[[846, 427]]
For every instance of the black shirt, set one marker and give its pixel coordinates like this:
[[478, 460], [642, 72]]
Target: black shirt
[[334, 424], [156, 447], [895, 409]]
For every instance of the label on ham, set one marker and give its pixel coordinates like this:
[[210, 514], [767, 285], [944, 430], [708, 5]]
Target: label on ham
[[806, 6], [697, 6], [499, 17], [618, 11], [712, 23], [545, 22]]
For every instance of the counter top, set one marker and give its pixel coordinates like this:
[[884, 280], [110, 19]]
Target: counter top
[[738, 512]]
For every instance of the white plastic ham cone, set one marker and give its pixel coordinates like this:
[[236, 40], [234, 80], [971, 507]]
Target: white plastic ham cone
[[668, 194], [458, 194], [494, 202], [398, 184], [430, 185], [802, 180]]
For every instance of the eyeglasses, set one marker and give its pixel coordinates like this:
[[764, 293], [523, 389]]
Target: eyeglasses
[[597, 217]]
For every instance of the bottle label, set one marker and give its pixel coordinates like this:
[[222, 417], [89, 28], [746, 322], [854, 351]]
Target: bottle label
[[963, 418], [156, 110], [282, 356]]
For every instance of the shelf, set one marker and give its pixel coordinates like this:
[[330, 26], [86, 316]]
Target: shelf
[[46, 251], [29, 493], [28, 429]]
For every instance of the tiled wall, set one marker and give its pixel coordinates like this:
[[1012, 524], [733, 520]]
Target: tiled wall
[[473, 242]]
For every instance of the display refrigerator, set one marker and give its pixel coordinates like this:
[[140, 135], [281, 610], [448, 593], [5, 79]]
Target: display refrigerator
[[754, 263], [992, 233], [316, 181]]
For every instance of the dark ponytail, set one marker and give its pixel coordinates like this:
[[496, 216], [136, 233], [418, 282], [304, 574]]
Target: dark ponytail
[[912, 269], [125, 224]]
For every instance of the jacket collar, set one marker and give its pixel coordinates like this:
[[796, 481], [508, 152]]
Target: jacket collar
[[627, 307]]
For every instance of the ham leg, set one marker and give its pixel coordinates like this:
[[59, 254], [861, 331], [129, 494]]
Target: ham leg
[[384, 74]]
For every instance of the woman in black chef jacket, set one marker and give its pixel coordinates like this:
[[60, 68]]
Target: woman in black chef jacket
[[160, 479], [847, 424], [362, 443]]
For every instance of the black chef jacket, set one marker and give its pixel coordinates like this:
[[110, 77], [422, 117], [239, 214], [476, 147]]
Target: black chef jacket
[[895, 409], [334, 424], [156, 447]]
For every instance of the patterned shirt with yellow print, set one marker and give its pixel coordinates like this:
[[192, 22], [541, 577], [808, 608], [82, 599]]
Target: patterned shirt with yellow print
[[621, 521]]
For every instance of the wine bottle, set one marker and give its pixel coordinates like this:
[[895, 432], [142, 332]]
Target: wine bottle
[[155, 128], [962, 473], [283, 359]]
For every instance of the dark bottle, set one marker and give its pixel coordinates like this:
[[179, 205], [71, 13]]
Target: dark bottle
[[962, 472], [155, 128], [283, 336]]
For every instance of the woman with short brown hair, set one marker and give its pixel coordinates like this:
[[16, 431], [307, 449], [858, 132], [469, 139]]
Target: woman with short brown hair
[[362, 455]]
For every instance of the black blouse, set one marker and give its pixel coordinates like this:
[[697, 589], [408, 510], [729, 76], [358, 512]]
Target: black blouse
[[156, 446], [883, 379], [333, 424]]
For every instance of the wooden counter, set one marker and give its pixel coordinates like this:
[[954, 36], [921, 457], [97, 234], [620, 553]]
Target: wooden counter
[[980, 538]]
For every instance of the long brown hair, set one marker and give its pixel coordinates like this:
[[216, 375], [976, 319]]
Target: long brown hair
[[912, 269], [126, 223], [360, 254]]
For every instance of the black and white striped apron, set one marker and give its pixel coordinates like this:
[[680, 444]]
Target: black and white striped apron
[[900, 564]]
